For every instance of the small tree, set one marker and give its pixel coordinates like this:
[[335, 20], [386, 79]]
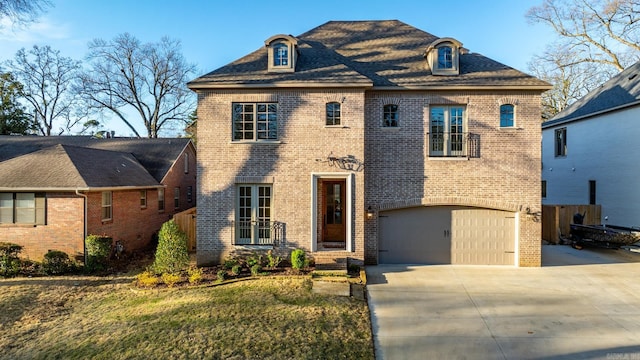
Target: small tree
[[298, 259], [172, 255]]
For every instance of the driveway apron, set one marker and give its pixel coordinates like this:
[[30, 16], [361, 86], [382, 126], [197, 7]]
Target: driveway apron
[[579, 305]]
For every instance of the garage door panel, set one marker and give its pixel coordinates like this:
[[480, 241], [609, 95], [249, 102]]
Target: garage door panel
[[447, 235]]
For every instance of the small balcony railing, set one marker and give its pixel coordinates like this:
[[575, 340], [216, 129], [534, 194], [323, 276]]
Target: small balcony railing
[[453, 144], [257, 232]]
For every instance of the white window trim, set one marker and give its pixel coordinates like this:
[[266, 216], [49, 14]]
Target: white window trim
[[110, 206], [348, 177]]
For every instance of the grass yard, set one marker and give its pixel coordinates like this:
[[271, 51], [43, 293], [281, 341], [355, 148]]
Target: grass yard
[[108, 318]]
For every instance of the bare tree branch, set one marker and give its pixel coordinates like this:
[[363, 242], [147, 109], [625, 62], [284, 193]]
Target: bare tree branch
[[149, 79]]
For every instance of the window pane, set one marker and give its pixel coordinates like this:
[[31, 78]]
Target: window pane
[[445, 58], [6, 208], [25, 215], [6, 200], [390, 116], [25, 200], [506, 115], [333, 113]]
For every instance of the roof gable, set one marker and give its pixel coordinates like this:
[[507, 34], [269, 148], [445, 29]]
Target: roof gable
[[620, 91], [383, 54], [71, 167]]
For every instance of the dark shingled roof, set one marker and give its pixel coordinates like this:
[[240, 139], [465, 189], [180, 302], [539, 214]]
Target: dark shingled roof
[[155, 155], [620, 91], [387, 54], [69, 167]]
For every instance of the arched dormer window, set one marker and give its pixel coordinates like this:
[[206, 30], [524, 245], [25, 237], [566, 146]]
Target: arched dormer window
[[443, 56], [282, 53]]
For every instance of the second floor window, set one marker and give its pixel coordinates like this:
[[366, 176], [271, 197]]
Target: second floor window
[[447, 131], [176, 197], [255, 121], [160, 199], [390, 116], [107, 211], [506, 115], [333, 113], [561, 142], [280, 55], [143, 199]]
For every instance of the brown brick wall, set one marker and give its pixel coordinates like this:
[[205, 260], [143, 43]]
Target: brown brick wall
[[63, 231], [397, 173]]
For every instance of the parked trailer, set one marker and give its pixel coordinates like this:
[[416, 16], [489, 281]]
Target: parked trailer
[[606, 236]]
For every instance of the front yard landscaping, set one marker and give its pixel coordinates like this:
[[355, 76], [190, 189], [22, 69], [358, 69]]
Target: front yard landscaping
[[80, 317]]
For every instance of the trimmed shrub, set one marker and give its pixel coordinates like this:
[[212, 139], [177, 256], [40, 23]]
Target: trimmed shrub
[[170, 279], [194, 275], [56, 262], [235, 270], [9, 261], [147, 279], [256, 269], [172, 255], [221, 275], [274, 260], [298, 259], [98, 252]]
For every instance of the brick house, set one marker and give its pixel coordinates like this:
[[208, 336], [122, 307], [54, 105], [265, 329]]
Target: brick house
[[120, 187], [373, 141]]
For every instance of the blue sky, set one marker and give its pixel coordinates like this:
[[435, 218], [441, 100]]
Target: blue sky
[[216, 32]]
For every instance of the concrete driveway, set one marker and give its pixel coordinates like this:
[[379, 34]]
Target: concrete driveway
[[582, 304]]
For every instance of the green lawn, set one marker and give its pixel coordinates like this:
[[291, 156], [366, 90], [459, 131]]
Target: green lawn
[[108, 318]]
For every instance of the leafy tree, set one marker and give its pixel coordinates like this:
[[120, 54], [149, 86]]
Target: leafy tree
[[596, 40], [148, 78], [22, 11], [13, 119], [191, 128], [46, 77]]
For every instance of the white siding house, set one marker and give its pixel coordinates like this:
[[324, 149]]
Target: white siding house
[[591, 151]]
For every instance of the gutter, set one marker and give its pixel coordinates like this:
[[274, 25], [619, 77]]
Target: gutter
[[106, 188], [84, 235], [552, 123]]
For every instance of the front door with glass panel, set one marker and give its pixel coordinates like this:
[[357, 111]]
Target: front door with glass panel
[[446, 133], [254, 215], [333, 213]]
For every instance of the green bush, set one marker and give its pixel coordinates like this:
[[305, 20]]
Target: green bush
[[274, 260], [256, 269], [9, 261], [230, 263], [298, 259], [98, 252], [172, 255], [57, 262], [235, 270], [221, 275], [254, 259]]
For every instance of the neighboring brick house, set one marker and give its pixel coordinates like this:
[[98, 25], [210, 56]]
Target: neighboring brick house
[[56, 190], [373, 141]]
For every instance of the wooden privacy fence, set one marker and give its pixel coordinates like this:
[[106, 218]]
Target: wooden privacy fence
[[557, 218], [186, 221]]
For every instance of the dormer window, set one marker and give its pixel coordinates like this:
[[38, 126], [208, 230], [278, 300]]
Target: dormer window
[[282, 53], [443, 56]]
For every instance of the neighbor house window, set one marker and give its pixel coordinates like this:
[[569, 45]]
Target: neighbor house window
[[506, 115], [390, 116], [143, 199], [186, 163], [333, 113], [161, 199], [592, 192], [544, 189], [561, 142], [255, 121], [176, 197], [22, 208], [445, 57], [447, 131], [280, 55], [253, 214], [189, 194], [107, 207]]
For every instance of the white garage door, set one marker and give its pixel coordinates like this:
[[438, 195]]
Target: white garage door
[[447, 235]]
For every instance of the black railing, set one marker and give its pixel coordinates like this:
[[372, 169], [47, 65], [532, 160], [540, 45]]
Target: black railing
[[453, 144], [257, 232]]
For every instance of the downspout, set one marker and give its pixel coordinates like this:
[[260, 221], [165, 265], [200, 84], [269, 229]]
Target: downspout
[[84, 235]]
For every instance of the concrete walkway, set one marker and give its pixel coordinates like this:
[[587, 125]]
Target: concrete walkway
[[582, 304]]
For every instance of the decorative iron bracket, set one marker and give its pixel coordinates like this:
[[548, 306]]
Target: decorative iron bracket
[[348, 162]]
